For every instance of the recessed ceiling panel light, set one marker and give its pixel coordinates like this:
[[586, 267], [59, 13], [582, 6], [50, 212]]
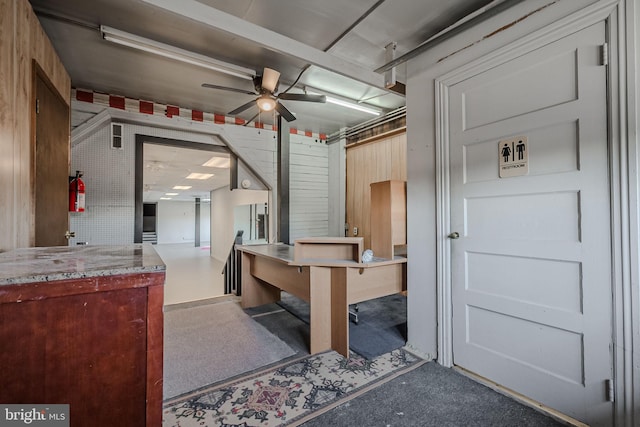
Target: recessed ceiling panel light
[[171, 194], [165, 198], [182, 187], [218, 162], [195, 175]]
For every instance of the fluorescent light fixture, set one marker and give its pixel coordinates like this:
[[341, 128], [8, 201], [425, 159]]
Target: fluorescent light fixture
[[175, 53], [181, 187], [218, 162], [170, 194], [165, 198], [343, 102], [353, 106], [195, 175]]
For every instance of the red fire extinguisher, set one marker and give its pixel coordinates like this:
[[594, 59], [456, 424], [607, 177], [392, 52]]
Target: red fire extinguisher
[[76, 193]]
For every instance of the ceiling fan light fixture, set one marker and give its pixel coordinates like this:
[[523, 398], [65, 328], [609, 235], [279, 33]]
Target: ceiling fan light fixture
[[266, 103]]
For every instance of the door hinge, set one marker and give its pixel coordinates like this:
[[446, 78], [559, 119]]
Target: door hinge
[[609, 390], [604, 54], [37, 106]]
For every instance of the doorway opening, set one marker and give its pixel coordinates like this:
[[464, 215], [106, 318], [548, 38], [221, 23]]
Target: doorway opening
[[174, 182]]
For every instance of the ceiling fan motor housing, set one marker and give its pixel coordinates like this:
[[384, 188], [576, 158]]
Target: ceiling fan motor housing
[[266, 86]]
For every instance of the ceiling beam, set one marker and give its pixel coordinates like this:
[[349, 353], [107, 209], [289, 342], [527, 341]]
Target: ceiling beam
[[271, 40]]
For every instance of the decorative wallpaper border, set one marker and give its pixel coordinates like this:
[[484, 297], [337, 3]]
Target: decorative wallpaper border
[[169, 111]]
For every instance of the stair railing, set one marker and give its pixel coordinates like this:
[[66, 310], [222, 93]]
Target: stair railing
[[232, 268]]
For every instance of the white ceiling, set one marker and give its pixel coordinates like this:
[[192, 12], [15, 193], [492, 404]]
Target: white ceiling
[[344, 40], [309, 26], [166, 167]]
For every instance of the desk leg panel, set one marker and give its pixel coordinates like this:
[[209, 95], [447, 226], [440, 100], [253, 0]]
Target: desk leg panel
[[339, 312], [320, 305], [255, 292]]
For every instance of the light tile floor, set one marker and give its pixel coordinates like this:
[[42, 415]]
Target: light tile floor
[[192, 274]]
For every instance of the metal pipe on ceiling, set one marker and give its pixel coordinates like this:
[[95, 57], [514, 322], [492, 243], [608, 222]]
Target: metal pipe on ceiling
[[429, 44], [370, 124]]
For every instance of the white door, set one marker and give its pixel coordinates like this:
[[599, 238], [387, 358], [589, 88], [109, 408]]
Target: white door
[[531, 271]]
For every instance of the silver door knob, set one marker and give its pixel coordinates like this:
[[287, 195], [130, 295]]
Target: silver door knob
[[69, 234], [454, 235]]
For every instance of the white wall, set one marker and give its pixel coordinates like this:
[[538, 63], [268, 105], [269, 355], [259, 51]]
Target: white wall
[[176, 222], [109, 177], [110, 199], [308, 188], [110, 174], [308, 177], [337, 158], [223, 203]]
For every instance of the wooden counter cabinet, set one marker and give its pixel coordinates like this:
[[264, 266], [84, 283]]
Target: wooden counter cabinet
[[93, 343]]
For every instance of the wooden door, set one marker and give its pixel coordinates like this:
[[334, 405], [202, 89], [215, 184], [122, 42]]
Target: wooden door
[[531, 270], [51, 169]]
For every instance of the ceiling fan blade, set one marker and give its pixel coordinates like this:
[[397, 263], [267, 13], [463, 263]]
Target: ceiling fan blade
[[284, 112], [230, 89], [243, 107], [270, 79], [302, 97]]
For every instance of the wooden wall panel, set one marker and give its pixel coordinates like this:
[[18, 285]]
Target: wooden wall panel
[[22, 40], [379, 160]]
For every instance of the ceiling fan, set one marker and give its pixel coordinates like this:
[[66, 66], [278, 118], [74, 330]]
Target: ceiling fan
[[266, 86]]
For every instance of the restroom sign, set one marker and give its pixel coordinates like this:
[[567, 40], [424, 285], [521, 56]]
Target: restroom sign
[[514, 157]]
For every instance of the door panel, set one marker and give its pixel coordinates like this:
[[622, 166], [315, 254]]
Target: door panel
[[531, 272], [51, 167]]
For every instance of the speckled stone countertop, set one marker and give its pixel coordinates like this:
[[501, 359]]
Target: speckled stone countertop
[[30, 265]]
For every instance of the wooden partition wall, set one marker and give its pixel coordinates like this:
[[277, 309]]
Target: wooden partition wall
[[22, 41], [378, 159]]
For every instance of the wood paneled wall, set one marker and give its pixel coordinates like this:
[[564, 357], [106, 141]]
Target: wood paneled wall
[[22, 40], [368, 162]]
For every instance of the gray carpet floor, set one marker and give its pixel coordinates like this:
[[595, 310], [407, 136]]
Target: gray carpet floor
[[430, 395], [210, 343], [381, 327]]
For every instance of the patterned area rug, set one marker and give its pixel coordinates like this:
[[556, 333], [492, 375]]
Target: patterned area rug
[[289, 394]]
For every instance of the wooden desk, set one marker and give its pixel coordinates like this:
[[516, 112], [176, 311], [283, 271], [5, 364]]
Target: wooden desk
[[328, 285]]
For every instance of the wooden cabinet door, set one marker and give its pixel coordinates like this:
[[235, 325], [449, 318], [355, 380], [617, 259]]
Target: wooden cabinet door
[[87, 350]]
